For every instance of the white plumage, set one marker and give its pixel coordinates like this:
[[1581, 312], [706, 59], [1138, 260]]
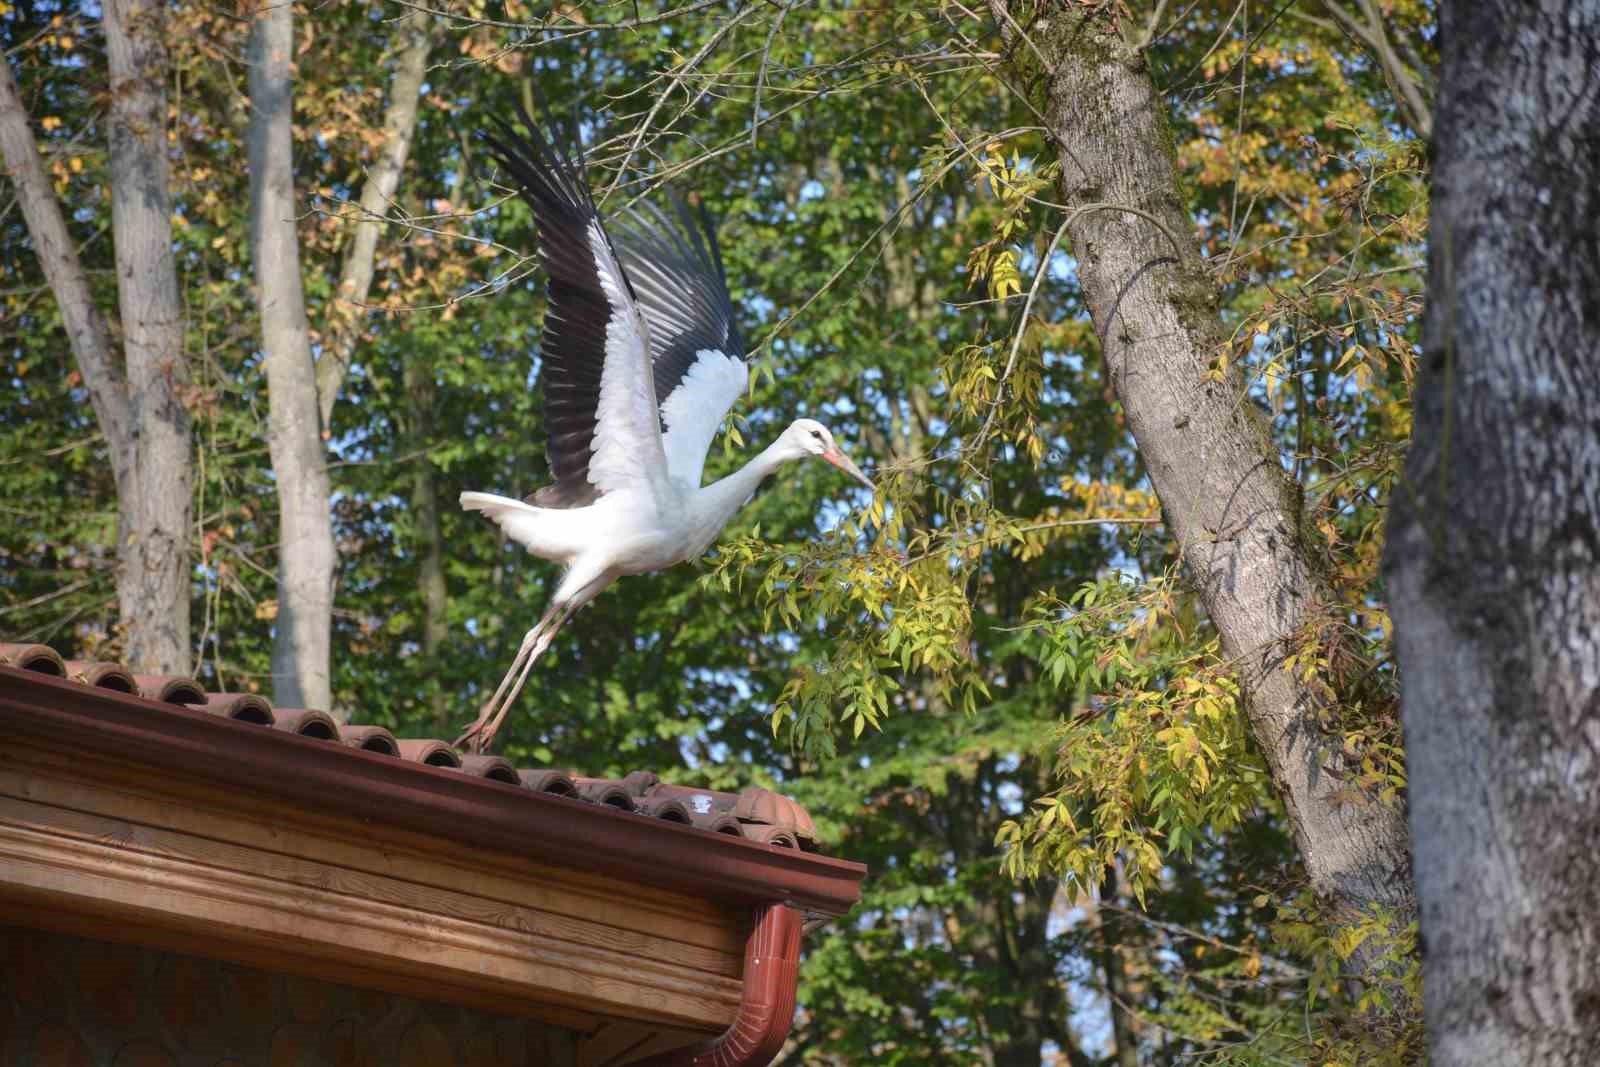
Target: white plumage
[[641, 362], [695, 409]]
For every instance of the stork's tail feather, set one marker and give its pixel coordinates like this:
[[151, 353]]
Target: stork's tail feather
[[492, 504], [521, 522], [553, 535]]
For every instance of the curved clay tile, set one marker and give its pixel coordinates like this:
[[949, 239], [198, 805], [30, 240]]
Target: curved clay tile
[[669, 808], [170, 688], [431, 752], [308, 722], [773, 809], [605, 791], [495, 768], [41, 658], [370, 739], [700, 801], [718, 822], [771, 835], [559, 783], [244, 707], [113, 676]]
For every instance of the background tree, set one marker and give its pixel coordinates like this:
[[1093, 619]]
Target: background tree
[[1238, 522], [139, 405], [305, 559], [303, 391], [1495, 540]]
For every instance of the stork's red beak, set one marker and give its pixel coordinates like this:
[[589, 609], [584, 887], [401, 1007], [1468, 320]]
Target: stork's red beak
[[843, 462]]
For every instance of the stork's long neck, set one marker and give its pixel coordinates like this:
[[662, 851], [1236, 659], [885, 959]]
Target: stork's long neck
[[720, 501]]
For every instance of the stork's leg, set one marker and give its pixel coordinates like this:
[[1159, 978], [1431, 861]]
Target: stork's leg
[[485, 734], [481, 733], [499, 701]]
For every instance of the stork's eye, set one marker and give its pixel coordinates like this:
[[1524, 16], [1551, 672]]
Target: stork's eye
[[817, 434]]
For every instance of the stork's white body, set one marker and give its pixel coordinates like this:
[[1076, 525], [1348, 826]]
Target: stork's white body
[[641, 363], [625, 532]]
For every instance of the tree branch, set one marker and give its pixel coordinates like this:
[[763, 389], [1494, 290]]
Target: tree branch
[[417, 31], [1405, 83], [58, 256]]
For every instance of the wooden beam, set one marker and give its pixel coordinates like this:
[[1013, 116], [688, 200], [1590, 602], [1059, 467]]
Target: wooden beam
[[229, 874]]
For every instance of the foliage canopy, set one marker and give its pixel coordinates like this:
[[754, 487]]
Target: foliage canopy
[[990, 682]]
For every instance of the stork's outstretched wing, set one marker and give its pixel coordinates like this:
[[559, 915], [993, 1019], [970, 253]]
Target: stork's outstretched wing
[[599, 390], [698, 356]]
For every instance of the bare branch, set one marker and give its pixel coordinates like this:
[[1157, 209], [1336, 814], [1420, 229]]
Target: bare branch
[[58, 257], [1405, 83], [675, 76], [416, 32]]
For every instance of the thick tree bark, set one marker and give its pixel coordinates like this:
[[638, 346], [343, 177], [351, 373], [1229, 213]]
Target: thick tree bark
[[301, 640], [414, 35], [1223, 491], [138, 405], [154, 577], [1493, 557]]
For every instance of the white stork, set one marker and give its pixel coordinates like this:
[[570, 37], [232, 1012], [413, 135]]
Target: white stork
[[641, 361]]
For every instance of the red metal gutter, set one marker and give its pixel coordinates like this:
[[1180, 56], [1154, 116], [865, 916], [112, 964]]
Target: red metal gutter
[[444, 803], [766, 1006]]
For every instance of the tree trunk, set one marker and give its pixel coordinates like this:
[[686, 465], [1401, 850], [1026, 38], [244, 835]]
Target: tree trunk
[[154, 578], [300, 647], [303, 395], [139, 407], [1123, 1022], [429, 546], [1493, 555], [1223, 491]]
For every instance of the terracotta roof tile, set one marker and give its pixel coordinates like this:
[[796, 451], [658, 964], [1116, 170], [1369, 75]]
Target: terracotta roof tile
[[41, 658], [496, 768], [755, 814], [245, 707], [105, 675], [170, 689], [427, 750], [307, 722], [370, 738], [558, 782], [605, 791]]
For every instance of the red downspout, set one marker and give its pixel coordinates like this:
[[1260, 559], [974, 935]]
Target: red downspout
[[766, 1006]]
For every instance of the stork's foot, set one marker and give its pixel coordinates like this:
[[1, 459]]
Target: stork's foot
[[480, 735]]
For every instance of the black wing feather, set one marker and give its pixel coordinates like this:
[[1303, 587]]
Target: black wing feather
[[574, 341], [675, 269]]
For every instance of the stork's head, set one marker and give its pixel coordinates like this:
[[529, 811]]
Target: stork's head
[[808, 437]]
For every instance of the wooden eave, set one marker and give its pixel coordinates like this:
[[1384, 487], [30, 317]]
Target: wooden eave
[[131, 820]]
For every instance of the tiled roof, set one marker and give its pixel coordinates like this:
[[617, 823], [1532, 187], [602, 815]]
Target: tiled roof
[[755, 814]]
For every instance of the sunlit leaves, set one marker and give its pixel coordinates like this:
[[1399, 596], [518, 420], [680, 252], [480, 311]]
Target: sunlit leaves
[[1155, 756]]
